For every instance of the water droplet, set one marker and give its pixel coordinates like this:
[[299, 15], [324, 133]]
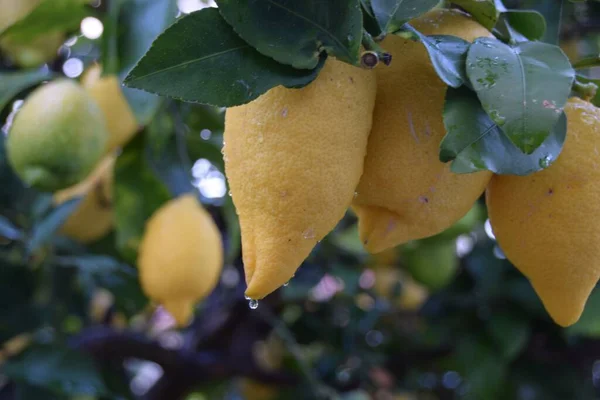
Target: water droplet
[[253, 304], [247, 298], [286, 284], [355, 194], [544, 162], [309, 234], [230, 194], [497, 118]]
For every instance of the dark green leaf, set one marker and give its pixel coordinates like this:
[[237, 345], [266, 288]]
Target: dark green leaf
[[106, 272], [44, 231], [138, 193], [233, 231], [8, 230], [295, 32], [448, 55], [140, 22], [510, 332], [49, 16], [392, 14], [13, 83], [486, 12], [28, 392], [186, 63], [476, 143], [521, 25], [529, 23], [523, 88], [482, 367], [56, 368]]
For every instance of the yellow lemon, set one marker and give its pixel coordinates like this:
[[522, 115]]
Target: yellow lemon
[[406, 193], [106, 91], [293, 158], [544, 222], [57, 137], [399, 288], [94, 217], [180, 256]]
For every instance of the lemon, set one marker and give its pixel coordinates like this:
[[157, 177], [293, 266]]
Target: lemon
[[293, 158], [93, 218], [544, 222], [180, 256], [32, 53], [106, 91], [399, 288], [57, 137], [406, 193], [432, 264]]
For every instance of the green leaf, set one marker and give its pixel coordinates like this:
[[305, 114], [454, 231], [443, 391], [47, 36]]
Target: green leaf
[[296, 32], [589, 62], [483, 369], [448, 55], [186, 63], [44, 231], [392, 14], [523, 88], [140, 22], [13, 83], [510, 332], [49, 16], [486, 12], [56, 368], [118, 278], [589, 323], [476, 143], [138, 193], [531, 24]]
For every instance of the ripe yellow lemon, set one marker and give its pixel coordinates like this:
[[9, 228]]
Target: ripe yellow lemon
[[57, 137], [293, 158], [94, 217], [545, 222], [406, 193], [180, 256], [106, 91], [402, 291]]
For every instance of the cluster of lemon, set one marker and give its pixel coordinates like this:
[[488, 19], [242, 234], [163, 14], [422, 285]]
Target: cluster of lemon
[[297, 159], [64, 139]]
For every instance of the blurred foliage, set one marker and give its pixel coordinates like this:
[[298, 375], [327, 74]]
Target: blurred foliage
[[74, 323]]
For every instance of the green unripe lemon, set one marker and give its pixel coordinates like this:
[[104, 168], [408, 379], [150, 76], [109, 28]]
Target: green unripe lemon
[[432, 264], [57, 137]]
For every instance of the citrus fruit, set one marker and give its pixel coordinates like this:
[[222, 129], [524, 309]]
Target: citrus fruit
[[406, 193], [93, 218], [431, 264], [57, 137], [106, 91], [180, 256], [293, 158], [544, 222]]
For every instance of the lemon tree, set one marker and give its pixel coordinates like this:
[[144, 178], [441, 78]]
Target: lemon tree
[[282, 199]]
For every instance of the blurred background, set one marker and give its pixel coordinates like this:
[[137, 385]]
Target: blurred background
[[443, 318]]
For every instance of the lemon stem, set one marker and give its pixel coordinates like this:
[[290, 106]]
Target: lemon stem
[[586, 90], [374, 53]]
